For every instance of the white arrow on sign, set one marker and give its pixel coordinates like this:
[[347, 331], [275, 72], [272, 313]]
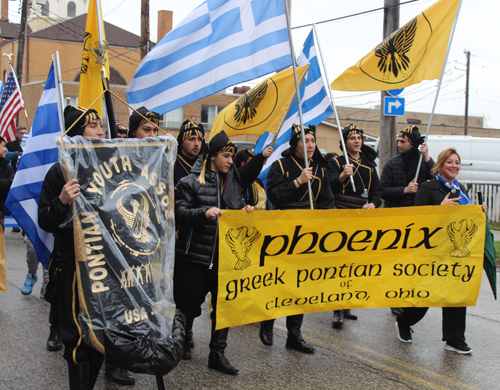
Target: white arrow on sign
[[395, 104]]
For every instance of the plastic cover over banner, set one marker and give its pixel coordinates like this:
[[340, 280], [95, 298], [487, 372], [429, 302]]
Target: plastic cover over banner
[[124, 247]]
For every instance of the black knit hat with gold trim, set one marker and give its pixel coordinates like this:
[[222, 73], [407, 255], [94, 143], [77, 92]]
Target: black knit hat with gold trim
[[412, 135], [350, 130], [71, 115], [189, 128], [136, 119], [295, 138], [220, 143]]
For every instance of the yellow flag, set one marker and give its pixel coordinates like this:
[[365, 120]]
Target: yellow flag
[[90, 72], [409, 55], [263, 108]]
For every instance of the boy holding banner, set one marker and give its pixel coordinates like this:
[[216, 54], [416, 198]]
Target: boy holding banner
[[287, 189], [200, 197]]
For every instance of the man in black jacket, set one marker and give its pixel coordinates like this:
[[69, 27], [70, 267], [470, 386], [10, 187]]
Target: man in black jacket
[[398, 177], [15, 146], [212, 186], [191, 142], [287, 189], [54, 216]]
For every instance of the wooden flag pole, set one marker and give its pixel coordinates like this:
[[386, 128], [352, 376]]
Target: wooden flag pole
[[332, 102]]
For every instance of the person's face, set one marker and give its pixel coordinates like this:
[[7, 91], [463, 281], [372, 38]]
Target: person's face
[[310, 146], [3, 149], [191, 146], [354, 143], [222, 162], [93, 130], [122, 134], [19, 135], [403, 145], [450, 168], [146, 130]]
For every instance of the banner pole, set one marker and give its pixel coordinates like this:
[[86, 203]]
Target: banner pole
[[59, 89], [332, 102], [439, 84], [299, 101]]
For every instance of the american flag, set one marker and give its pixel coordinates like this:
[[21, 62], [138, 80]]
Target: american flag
[[10, 105]]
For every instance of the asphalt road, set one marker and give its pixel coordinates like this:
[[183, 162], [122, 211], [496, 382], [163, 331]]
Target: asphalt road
[[365, 354]]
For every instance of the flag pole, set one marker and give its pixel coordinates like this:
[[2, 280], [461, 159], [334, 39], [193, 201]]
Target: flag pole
[[439, 84], [59, 89], [104, 76], [299, 102], [332, 102]]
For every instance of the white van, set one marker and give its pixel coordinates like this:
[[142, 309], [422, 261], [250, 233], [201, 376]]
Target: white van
[[480, 156]]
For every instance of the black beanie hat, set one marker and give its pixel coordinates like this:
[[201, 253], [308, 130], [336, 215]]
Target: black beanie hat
[[412, 135], [137, 119], [189, 128], [350, 130], [71, 115]]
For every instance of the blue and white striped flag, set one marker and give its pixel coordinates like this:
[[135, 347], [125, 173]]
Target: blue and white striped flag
[[38, 156], [315, 106], [219, 44]]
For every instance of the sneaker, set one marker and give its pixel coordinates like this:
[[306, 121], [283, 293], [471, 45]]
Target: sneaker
[[42, 290], [404, 333], [458, 347], [29, 283]]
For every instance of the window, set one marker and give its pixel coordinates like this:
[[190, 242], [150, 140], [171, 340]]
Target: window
[[45, 9], [172, 119], [71, 9], [208, 114]]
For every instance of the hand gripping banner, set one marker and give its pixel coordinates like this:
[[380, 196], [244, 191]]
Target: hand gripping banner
[[280, 263], [124, 246]]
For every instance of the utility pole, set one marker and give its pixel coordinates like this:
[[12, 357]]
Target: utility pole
[[20, 42], [467, 72], [388, 124], [144, 28]]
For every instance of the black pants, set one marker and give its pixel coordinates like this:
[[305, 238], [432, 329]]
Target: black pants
[[192, 282], [453, 320], [62, 293]]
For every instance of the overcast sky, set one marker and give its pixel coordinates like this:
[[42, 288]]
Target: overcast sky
[[345, 41]]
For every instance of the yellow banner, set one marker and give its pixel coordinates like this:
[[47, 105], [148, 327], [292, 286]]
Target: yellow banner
[[279, 263], [261, 109], [409, 55], [90, 72]]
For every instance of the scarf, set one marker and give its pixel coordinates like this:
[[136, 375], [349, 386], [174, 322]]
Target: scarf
[[465, 199]]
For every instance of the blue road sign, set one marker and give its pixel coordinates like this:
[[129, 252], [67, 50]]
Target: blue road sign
[[394, 106], [395, 92]]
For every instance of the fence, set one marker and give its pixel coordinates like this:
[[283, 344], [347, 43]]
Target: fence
[[491, 195]]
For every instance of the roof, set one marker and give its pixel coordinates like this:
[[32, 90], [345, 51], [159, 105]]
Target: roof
[[10, 30], [73, 30]]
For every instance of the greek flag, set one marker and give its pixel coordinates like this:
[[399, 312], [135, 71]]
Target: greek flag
[[39, 154], [315, 106], [219, 44]]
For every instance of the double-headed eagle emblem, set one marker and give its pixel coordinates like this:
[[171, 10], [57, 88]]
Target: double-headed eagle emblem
[[138, 219], [241, 244], [461, 234], [394, 49], [246, 105]]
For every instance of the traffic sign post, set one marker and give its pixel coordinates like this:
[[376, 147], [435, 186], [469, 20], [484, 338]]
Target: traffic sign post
[[394, 106]]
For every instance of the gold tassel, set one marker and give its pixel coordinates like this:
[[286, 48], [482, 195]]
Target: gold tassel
[[201, 178]]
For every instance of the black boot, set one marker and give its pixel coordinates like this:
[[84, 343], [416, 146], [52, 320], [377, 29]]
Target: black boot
[[54, 342], [349, 316], [266, 332], [338, 319], [95, 360], [78, 376], [216, 359], [295, 339], [118, 374], [188, 340]]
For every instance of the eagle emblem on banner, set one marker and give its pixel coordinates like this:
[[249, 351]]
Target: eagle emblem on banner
[[246, 106], [138, 219], [240, 245], [393, 51], [460, 234]]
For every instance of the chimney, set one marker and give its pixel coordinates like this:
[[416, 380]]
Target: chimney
[[5, 10], [164, 23]]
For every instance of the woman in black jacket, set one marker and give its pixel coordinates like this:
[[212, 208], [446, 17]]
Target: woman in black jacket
[[444, 190]]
